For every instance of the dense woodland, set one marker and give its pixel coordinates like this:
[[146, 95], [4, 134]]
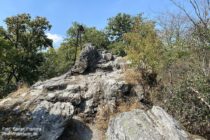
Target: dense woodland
[[169, 55]]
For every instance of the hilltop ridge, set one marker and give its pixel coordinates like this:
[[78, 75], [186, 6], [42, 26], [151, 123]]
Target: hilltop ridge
[[91, 101]]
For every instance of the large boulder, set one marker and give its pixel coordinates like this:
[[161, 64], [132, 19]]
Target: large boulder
[[51, 118], [87, 61], [154, 124], [113, 88]]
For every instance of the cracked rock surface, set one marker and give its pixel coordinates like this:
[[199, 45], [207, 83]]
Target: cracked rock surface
[[154, 124]]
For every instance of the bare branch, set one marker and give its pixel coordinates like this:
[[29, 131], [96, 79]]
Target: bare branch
[[183, 9], [199, 96], [197, 10]]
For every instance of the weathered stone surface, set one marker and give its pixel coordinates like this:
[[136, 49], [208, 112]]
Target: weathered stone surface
[[106, 67], [55, 87], [51, 83], [139, 91], [154, 124], [87, 60], [120, 63], [113, 88], [94, 89], [51, 118], [107, 56]]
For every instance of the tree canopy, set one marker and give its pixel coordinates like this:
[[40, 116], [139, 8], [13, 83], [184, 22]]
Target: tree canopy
[[118, 25], [91, 34], [21, 45]]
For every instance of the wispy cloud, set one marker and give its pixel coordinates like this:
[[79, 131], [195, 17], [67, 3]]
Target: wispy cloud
[[57, 39]]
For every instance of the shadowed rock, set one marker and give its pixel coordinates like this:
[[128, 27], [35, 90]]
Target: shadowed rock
[[87, 61], [51, 118], [76, 130]]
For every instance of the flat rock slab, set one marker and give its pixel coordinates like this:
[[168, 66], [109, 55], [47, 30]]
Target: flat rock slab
[[154, 124]]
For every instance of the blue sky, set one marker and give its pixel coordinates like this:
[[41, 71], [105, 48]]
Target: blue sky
[[61, 13]]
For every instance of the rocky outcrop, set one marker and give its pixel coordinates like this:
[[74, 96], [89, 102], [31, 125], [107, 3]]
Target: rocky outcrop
[[51, 104], [154, 124], [87, 61], [66, 107]]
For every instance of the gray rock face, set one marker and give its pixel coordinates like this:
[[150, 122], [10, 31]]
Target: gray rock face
[[106, 56], [154, 124], [87, 60], [139, 91], [51, 118], [112, 87]]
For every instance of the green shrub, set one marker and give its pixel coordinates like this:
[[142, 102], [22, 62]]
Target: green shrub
[[117, 48]]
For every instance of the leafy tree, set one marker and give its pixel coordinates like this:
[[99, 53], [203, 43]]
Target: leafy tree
[[90, 35], [49, 68], [57, 61], [96, 37], [6, 52], [143, 45], [65, 57], [118, 48], [26, 38], [199, 17], [118, 25]]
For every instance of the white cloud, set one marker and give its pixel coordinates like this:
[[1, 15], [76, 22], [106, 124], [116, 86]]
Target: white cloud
[[57, 39]]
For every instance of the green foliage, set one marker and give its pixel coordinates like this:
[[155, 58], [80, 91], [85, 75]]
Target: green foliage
[[202, 35], [184, 87], [57, 61], [66, 57], [90, 35], [183, 91], [143, 45], [117, 48], [49, 68], [5, 57], [21, 44], [118, 25], [96, 37]]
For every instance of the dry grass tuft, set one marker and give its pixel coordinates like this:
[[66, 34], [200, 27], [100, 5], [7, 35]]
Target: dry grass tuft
[[21, 89], [125, 107], [132, 76]]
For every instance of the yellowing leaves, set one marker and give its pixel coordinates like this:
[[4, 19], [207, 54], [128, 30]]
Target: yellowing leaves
[[144, 46]]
